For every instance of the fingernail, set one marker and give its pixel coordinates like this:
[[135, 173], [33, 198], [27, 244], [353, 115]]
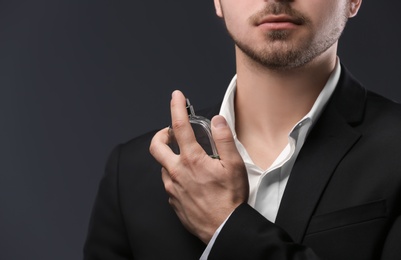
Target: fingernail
[[175, 92], [219, 122]]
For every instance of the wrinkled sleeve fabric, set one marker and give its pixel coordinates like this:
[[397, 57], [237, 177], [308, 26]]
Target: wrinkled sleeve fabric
[[248, 235], [107, 237], [392, 246]]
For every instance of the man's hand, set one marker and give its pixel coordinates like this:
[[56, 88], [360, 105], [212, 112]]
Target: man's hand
[[203, 191]]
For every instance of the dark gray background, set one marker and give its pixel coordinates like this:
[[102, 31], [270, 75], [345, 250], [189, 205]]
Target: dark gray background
[[78, 77]]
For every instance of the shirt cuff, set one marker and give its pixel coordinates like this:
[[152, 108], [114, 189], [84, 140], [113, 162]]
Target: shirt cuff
[[209, 246]]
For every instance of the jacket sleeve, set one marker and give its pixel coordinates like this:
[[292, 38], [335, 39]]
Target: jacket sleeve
[[392, 246], [107, 237], [248, 235]]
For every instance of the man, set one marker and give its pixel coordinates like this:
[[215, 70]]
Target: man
[[309, 160]]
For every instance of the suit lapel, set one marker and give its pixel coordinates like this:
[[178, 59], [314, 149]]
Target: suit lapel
[[329, 141]]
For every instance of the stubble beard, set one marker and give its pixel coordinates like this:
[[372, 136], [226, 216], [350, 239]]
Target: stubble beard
[[280, 52]]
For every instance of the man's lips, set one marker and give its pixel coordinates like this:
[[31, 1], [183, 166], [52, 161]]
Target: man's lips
[[279, 21]]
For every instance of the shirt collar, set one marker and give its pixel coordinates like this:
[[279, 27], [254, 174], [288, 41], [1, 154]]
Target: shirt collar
[[227, 107]]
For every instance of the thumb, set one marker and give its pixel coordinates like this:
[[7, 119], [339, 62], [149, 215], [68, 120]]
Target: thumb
[[223, 138]]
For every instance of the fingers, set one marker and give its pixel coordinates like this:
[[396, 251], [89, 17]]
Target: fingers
[[168, 182], [160, 150], [170, 188], [159, 147], [189, 148], [179, 120], [223, 139]]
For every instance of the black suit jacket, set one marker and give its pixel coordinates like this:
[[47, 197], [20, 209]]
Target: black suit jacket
[[342, 200]]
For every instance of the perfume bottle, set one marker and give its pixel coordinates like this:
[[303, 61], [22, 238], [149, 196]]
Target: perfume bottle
[[203, 133]]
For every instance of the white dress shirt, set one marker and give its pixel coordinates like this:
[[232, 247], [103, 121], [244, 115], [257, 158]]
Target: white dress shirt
[[266, 186]]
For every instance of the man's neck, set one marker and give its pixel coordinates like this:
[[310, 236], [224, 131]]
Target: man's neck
[[268, 103]]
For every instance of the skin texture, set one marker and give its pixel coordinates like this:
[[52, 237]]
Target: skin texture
[[313, 28], [287, 60], [203, 191]]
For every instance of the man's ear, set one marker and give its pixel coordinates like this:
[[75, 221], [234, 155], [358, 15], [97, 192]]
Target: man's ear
[[217, 6], [354, 6]]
